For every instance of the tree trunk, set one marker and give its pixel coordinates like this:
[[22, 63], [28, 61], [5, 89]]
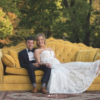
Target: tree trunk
[[65, 3], [77, 40], [86, 40], [87, 34]]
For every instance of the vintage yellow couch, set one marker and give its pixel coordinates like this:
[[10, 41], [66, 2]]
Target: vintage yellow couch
[[16, 78]]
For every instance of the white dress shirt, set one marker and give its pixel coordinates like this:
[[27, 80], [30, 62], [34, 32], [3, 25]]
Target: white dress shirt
[[30, 55]]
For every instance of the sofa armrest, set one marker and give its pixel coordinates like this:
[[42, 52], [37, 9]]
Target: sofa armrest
[[1, 71]]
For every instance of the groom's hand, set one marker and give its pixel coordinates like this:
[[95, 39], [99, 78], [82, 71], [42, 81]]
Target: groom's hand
[[48, 65], [36, 64]]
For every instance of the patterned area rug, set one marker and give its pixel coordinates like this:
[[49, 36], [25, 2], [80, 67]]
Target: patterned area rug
[[16, 95]]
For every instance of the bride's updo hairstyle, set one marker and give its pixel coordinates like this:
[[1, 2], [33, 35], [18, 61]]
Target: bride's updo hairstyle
[[42, 35]]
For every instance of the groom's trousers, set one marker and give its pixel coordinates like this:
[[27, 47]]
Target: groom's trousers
[[31, 69]]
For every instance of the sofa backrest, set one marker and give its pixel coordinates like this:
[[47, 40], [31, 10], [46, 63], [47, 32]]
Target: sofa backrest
[[18, 48], [65, 51]]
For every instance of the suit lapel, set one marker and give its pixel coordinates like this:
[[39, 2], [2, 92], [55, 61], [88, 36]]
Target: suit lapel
[[26, 55]]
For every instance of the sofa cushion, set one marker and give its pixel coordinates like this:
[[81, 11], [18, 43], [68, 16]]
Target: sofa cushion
[[97, 57], [14, 54], [8, 60], [20, 79], [20, 71], [86, 55], [16, 79]]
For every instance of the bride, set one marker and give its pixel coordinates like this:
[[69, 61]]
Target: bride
[[73, 77]]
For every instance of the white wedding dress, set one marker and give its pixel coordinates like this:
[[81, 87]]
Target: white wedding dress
[[73, 77]]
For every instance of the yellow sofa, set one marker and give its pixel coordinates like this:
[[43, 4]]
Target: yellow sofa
[[16, 78]]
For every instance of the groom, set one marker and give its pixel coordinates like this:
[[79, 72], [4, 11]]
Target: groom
[[27, 60]]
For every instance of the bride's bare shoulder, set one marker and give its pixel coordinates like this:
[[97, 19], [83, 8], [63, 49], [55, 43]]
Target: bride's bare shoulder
[[37, 51]]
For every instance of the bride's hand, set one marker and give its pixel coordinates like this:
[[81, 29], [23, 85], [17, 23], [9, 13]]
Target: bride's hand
[[36, 64], [48, 65]]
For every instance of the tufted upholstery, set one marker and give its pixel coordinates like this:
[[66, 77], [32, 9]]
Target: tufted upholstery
[[65, 51], [16, 76]]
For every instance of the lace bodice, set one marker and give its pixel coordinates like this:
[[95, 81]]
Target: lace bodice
[[48, 57]]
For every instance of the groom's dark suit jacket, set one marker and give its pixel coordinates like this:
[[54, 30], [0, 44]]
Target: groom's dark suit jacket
[[24, 59]]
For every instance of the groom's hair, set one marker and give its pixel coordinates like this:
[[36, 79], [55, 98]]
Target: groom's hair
[[29, 38]]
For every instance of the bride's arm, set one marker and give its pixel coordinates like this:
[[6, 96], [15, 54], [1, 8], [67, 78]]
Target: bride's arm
[[37, 57]]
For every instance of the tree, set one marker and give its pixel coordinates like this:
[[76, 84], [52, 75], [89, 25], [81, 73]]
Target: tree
[[39, 15], [95, 24], [76, 25], [5, 25], [10, 6], [69, 19]]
